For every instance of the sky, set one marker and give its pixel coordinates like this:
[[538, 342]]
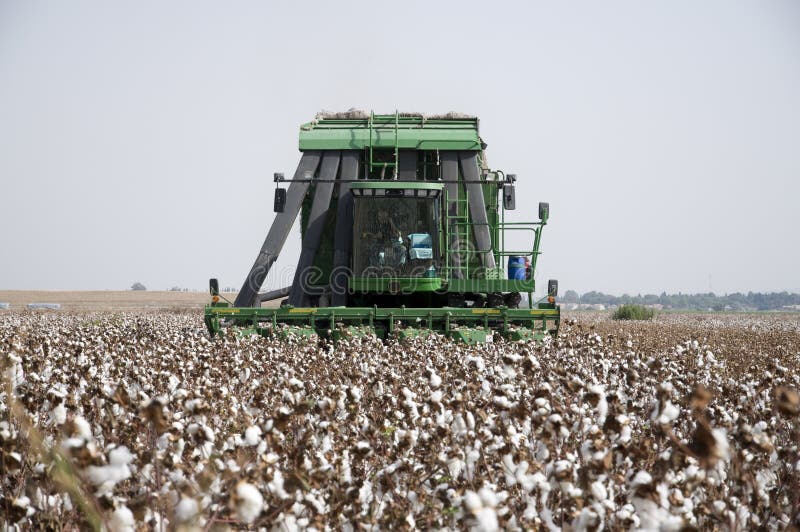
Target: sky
[[138, 139]]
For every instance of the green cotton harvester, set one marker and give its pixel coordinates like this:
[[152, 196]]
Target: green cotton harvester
[[403, 229]]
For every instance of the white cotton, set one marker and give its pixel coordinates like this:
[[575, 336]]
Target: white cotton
[[250, 502], [459, 426], [642, 477], [116, 471], [486, 520], [22, 502], [599, 491], [510, 469], [488, 496], [654, 517], [602, 409], [669, 414], [547, 519], [15, 374], [363, 446], [122, 520], [471, 459], [82, 428], [435, 381], [252, 436], [58, 415], [408, 394], [472, 501], [99, 475], [501, 401], [365, 493], [276, 485], [455, 466], [186, 510], [470, 421], [624, 434], [318, 503], [346, 476], [355, 393], [722, 449], [120, 456]]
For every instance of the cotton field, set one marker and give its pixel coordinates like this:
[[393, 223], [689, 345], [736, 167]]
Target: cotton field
[[141, 421]]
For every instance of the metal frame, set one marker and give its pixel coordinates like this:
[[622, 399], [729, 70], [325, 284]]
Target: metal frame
[[468, 201], [509, 323]]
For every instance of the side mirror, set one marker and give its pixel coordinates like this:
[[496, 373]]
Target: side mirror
[[509, 197], [280, 199], [544, 211], [213, 287], [552, 288]]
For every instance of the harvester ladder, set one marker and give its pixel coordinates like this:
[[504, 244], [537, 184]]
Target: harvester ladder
[[457, 231], [374, 134]]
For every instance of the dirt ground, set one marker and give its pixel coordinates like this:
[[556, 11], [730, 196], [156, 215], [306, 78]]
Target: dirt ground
[[107, 300]]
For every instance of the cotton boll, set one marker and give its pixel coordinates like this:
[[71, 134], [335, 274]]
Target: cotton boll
[[120, 456], [276, 486], [472, 501], [58, 415], [252, 436], [486, 520], [722, 448], [186, 510], [248, 502], [117, 470], [669, 414], [654, 517], [82, 428], [641, 477], [122, 520], [599, 491]]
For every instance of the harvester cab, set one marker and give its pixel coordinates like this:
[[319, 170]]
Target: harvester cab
[[403, 229]]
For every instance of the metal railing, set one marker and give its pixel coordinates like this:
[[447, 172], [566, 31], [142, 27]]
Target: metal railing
[[462, 234]]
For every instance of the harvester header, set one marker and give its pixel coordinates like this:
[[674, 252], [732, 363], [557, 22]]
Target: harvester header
[[403, 229]]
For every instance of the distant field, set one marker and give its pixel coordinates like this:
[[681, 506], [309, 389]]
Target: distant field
[[108, 300]]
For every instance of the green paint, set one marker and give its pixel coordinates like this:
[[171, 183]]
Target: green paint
[[419, 304], [390, 132], [395, 285], [396, 185], [462, 324]]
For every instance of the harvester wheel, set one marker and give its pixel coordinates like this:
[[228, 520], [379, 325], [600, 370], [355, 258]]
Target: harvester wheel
[[455, 300], [512, 299], [495, 300]]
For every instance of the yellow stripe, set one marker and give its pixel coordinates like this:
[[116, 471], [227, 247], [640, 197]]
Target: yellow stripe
[[485, 311], [302, 310], [226, 310]]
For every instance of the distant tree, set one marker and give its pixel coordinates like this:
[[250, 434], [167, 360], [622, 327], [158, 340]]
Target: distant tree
[[703, 301], [138, 286], [571, 296], [176, 289], [650, 299]]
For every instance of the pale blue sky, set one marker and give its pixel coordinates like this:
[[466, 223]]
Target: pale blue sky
[[138, 139]]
